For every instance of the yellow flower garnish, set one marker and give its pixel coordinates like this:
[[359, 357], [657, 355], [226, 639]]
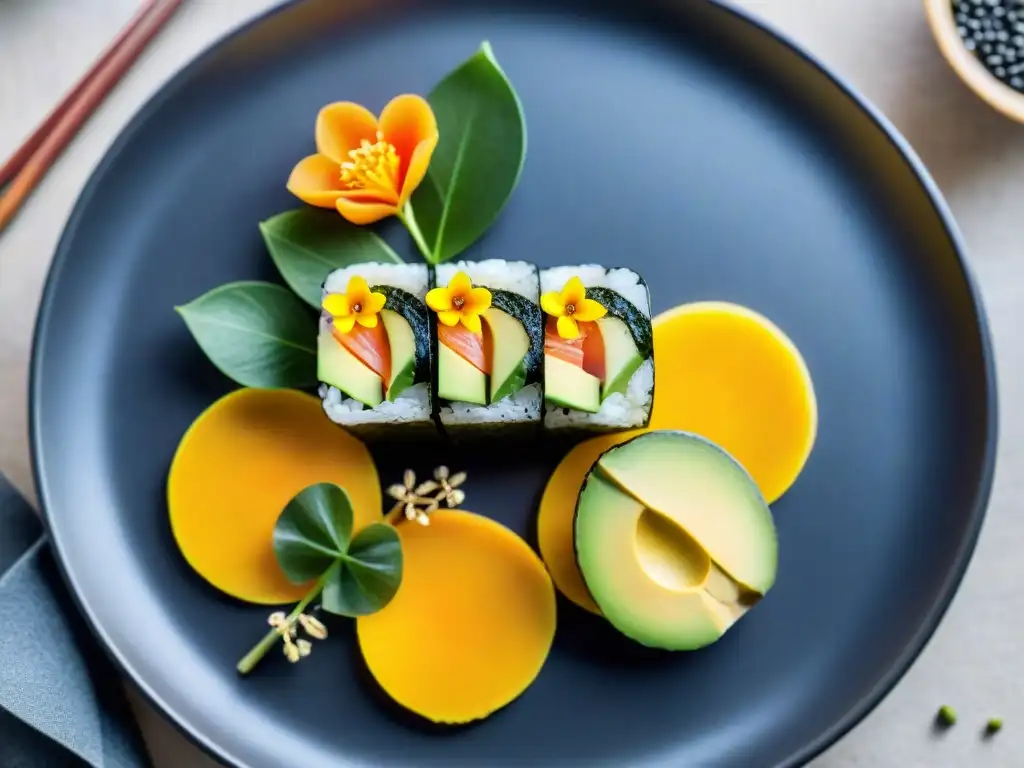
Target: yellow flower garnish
[[357, 305], [460, 302], [571, 306]]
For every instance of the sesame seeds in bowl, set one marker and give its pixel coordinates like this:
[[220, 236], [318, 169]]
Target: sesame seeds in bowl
[[983, 40]]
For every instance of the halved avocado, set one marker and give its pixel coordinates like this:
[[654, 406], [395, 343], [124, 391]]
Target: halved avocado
[[674, 540]]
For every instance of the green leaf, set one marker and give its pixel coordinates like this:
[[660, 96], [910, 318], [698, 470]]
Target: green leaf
[[370, 574], [313, 532], [478, 158], [308, 243], [313, 539], [257, 334]]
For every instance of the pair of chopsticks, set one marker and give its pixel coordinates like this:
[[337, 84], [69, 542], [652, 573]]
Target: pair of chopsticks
[[25, 168]]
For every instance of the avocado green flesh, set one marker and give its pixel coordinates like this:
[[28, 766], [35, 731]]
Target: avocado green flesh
[[621, 357], [673, 540], [707, 494], [511, 345], [340, 368], [569, 386], [403, 352], [637, 605], [458, 379]]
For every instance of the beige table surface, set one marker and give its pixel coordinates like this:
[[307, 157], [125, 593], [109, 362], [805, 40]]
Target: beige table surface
[[976, 660]]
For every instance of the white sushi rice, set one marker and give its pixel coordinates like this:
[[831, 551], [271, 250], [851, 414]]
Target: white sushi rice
[[412, 278], [523, 406], [513, 276], [625, 282], [413, 405], [619, 411]]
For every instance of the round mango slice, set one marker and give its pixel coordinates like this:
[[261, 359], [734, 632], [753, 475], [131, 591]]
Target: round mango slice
[[557, 510], [237, 467], [730, 375], [723, 372], [471, 625]]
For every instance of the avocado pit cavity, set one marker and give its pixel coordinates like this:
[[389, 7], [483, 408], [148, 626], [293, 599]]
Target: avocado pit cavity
[[669, 554]]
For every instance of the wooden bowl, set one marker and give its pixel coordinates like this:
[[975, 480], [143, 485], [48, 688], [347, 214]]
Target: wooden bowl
[[992, 90]]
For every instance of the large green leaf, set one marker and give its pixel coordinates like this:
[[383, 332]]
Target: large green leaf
[[313, 539], [308, 243], [258, 334], [478, 158], [313, 531], [370, 573]]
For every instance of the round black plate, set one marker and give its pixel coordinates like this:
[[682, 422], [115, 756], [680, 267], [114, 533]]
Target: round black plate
[[680, 139]]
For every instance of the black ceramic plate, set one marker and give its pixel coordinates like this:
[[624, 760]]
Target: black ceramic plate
[[679, 138]]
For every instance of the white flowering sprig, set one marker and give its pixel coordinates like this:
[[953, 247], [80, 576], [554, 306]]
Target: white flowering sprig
[[413, 501], [287, 627], [418, 501]]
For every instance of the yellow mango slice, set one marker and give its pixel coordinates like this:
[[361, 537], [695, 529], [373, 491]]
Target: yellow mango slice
[[730, 375], [237, 467], [471, 625], [723, 372]]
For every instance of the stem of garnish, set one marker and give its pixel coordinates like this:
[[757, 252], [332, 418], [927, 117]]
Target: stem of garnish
[[408, 218], [394, 516], [253, 657]]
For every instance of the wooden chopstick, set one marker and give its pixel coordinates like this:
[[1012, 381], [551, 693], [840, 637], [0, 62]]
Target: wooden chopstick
[[16, 161], [29, 164]]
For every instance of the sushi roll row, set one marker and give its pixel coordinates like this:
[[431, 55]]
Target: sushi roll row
[[474, 347]]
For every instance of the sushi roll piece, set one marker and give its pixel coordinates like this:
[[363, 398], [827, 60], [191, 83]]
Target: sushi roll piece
[[598, 349], [488, 342], [373, 350]]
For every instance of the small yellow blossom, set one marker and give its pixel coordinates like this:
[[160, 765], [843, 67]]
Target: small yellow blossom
[[357, 305], [460, 302], [571, 307]]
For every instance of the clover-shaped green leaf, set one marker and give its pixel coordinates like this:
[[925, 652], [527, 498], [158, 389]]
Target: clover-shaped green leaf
[[313, 539]]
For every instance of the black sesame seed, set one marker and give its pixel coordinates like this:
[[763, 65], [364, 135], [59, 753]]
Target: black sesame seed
[[993, 30]]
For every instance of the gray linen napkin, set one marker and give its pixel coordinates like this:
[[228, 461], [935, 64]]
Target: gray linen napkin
[[61, 704]]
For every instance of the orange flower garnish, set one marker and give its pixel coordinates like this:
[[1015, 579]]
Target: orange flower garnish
[[367, 169], [460, 302]]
